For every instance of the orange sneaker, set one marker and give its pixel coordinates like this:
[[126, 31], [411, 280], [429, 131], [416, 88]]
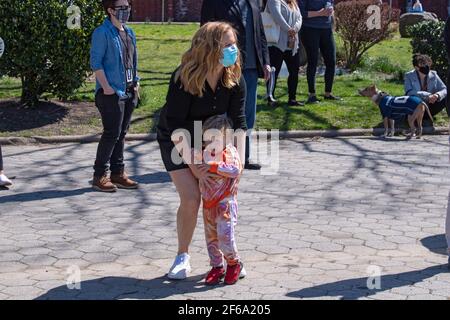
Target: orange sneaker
[[214, 276]]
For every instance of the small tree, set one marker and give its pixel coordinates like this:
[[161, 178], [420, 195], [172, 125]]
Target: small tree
[[44, 47], [428, 38], [362, 24]]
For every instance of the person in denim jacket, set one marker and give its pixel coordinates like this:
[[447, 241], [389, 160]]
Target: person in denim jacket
[[114, 61]]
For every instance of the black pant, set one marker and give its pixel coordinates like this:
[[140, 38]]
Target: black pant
[[116, 118], [315, 40], [1, 159], [437, 107], [293, 64]]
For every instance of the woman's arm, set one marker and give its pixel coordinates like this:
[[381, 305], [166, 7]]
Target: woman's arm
[[441, 88], [98, 51], [101, 77], [275, 10], [298, 23]]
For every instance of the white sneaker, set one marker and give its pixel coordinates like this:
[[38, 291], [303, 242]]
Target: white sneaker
[[180, 268], [243, 273], [4, 181]]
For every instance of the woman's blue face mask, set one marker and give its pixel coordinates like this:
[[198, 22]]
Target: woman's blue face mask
[[230, 55]]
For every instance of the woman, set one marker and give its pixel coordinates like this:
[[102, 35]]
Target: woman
[[4, 181], [287, 15], [317, 35], [207, 83], [114, 61]]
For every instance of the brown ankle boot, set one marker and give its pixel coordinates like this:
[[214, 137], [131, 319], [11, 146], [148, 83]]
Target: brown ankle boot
[[122, 181], [103, 184]]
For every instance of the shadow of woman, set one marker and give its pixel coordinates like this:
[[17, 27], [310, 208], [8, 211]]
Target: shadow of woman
[[113, 288]]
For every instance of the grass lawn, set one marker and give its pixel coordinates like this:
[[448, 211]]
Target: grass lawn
[[160, 49]]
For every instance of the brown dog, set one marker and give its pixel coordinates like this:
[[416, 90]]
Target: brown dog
[[396, 108]]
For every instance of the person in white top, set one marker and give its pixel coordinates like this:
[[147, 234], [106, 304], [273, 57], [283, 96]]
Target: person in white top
[[4, 181], [287, 15]]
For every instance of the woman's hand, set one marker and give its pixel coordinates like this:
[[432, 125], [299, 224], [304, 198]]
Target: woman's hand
[[292, 32], [205, 178]]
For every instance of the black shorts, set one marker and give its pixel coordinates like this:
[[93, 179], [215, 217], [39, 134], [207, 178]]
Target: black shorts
[[166, 147]]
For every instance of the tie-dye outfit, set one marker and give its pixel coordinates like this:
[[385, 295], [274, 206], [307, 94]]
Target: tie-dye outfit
[[220, 208]]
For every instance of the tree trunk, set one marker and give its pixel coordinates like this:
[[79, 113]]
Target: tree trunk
[[30, 96]]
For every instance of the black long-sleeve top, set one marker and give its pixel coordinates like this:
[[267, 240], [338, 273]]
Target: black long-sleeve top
[[182, 108]]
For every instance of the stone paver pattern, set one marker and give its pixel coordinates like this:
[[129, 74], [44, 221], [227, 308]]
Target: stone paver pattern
[[338, 212]]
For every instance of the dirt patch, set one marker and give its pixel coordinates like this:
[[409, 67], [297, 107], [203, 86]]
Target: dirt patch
[[48, 118]]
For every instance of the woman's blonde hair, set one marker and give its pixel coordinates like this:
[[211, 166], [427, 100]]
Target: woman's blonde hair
[[205, 55], [292, 3]]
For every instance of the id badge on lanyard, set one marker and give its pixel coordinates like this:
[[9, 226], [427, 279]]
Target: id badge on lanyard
[[129, 73]]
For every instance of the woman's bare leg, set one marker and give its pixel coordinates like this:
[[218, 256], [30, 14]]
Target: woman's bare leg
[[189, 192]]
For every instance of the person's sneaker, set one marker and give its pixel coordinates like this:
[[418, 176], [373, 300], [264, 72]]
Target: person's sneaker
[[214, 276], [271, 102], [252, 166], [4, 181], [295, 103], [312, 100], [243, 272], [103, 184], [331, 97], [180, 268], [122, 181], [233, 274]]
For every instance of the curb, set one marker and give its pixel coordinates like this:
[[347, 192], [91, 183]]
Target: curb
[[294, 134]]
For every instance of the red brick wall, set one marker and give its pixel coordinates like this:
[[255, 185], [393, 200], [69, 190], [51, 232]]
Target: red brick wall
[[189, 10], [149, 10]]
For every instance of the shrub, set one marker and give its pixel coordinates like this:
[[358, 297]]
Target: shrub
[[381, 64], [42, 50], [352, 24], [427, 38]]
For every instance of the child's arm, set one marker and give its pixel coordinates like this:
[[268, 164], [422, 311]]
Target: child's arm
[[230, 167]]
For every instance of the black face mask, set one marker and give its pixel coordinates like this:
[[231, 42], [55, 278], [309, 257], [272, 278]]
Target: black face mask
[[425, 70]]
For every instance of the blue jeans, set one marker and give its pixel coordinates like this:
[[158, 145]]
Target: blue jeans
[[251, 81]]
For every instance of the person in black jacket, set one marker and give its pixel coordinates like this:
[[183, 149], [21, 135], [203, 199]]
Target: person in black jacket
[[245, 17]]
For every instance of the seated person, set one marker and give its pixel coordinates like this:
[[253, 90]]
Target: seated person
[[426, 84], [417, 6]]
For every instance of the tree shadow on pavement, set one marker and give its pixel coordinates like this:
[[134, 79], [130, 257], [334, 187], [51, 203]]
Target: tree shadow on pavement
[[352, 289], [113, 288]]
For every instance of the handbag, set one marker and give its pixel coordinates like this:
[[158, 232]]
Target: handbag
[[271, 29]]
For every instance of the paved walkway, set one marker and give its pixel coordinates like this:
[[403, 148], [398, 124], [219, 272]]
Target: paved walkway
[[339, 211]]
